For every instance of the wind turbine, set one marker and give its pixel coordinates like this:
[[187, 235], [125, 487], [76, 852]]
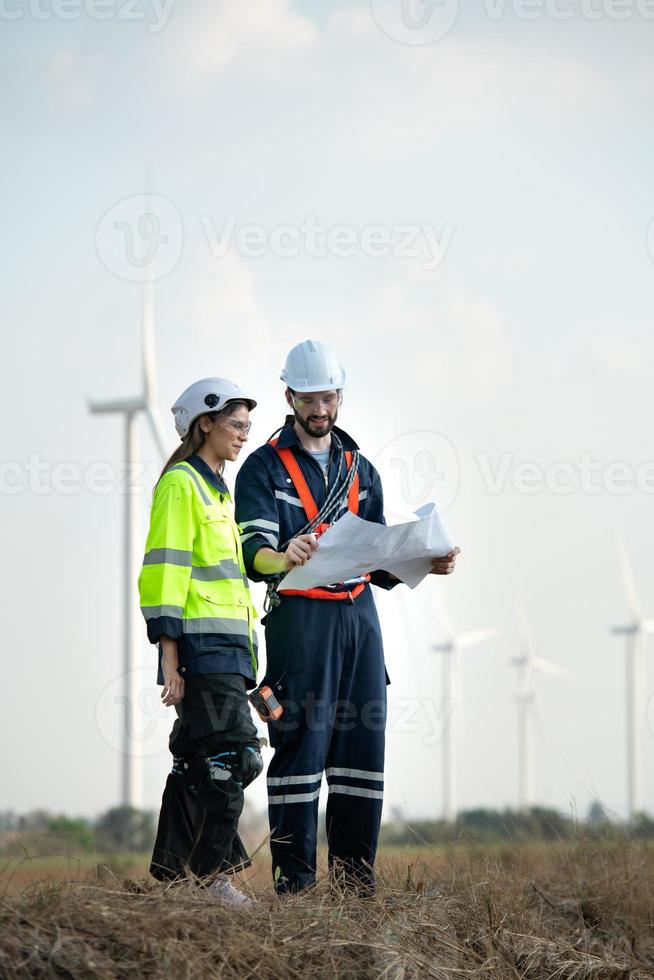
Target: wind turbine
[[527, 662], [130, 408], [450, 648], [634, 633]]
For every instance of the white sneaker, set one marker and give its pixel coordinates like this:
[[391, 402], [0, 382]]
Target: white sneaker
[[223, 890]]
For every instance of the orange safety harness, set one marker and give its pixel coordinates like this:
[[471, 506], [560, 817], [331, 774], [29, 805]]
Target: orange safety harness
[[311, 509]]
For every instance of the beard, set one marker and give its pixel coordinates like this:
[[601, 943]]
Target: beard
[[314, 431]]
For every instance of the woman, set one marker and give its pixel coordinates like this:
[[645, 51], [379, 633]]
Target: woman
[[196, 602]]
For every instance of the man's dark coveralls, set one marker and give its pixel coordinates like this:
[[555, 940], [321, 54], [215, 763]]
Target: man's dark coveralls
[[325, 663]]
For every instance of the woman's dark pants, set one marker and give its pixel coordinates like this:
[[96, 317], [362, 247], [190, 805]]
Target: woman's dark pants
[[197, 832]]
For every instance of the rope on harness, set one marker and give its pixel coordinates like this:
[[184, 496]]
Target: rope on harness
[[334, 503]]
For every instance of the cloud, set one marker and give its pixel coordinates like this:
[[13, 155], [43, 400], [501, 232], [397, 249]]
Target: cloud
[[453, 342], [223, 301], [70, 77], [257, 34], [400, 96], [353, 21], [621, 356], [469, 85], [475, 336]]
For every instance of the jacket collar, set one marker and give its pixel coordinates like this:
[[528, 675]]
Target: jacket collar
[[288, 437], [207, 473]]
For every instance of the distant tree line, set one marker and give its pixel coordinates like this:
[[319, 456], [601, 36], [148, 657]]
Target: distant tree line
[[125, 829], [536, 824], [121, 828]]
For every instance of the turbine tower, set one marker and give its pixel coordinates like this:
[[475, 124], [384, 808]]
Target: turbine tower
[[130, 408], [634, 632], [450, 648], [527, 662]]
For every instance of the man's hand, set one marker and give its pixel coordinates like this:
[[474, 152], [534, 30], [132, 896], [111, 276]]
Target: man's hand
[[300, 550], [445, 565], [173, 689]]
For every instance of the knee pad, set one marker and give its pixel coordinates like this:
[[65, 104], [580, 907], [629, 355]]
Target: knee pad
[[230, 770], [250, 764], [206, 772]]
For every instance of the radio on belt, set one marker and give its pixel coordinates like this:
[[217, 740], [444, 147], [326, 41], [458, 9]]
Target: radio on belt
[[265, 703]]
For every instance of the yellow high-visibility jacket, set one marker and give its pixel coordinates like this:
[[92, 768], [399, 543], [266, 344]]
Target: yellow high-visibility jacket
[[193, 586]]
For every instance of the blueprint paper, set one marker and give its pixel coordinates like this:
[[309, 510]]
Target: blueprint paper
[[353, 547]]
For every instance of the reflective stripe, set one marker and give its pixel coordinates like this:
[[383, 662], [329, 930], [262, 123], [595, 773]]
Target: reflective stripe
[[293, 780], [363, 495], [281, 495], [373, 794], [270, 525], [207, 624], [377, 777], [293, 798], [195, 477], [154, 612], [168, 556], [211, 573], [254, 534]]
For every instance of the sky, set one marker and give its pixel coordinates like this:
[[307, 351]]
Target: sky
[[459, 201]]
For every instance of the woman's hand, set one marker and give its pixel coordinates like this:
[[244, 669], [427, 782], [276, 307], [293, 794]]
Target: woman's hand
[[300, 550], [173, 689]]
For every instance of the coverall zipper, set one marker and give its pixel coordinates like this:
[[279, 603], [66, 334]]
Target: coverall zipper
[[323, 473]]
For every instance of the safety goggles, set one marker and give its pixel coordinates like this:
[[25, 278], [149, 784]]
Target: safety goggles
[[236, 425], [313, 401]]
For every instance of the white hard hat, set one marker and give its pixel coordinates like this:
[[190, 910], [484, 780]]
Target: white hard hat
[[312, 366], [202, 397]]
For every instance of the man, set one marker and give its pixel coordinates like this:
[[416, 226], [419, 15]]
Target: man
[[325, 658]]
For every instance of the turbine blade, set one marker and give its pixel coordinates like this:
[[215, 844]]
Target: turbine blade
[[150, 372], [147, 344], [158, 431], [647, 626], [521, 616], [629, 582], [474, 637], [147, 325], [127, 405], [546, 667], [525, 645]]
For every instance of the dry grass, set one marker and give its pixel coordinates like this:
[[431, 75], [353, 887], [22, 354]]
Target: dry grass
[[538, 911]]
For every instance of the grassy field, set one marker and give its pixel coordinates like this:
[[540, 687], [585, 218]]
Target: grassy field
[[573, 910]]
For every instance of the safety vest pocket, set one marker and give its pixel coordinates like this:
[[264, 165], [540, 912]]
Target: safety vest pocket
[[227, 614], [238, 603], [211, 515], [218, 537]]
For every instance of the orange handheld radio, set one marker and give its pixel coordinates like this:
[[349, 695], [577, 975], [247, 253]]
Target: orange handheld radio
[[265, 703]]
